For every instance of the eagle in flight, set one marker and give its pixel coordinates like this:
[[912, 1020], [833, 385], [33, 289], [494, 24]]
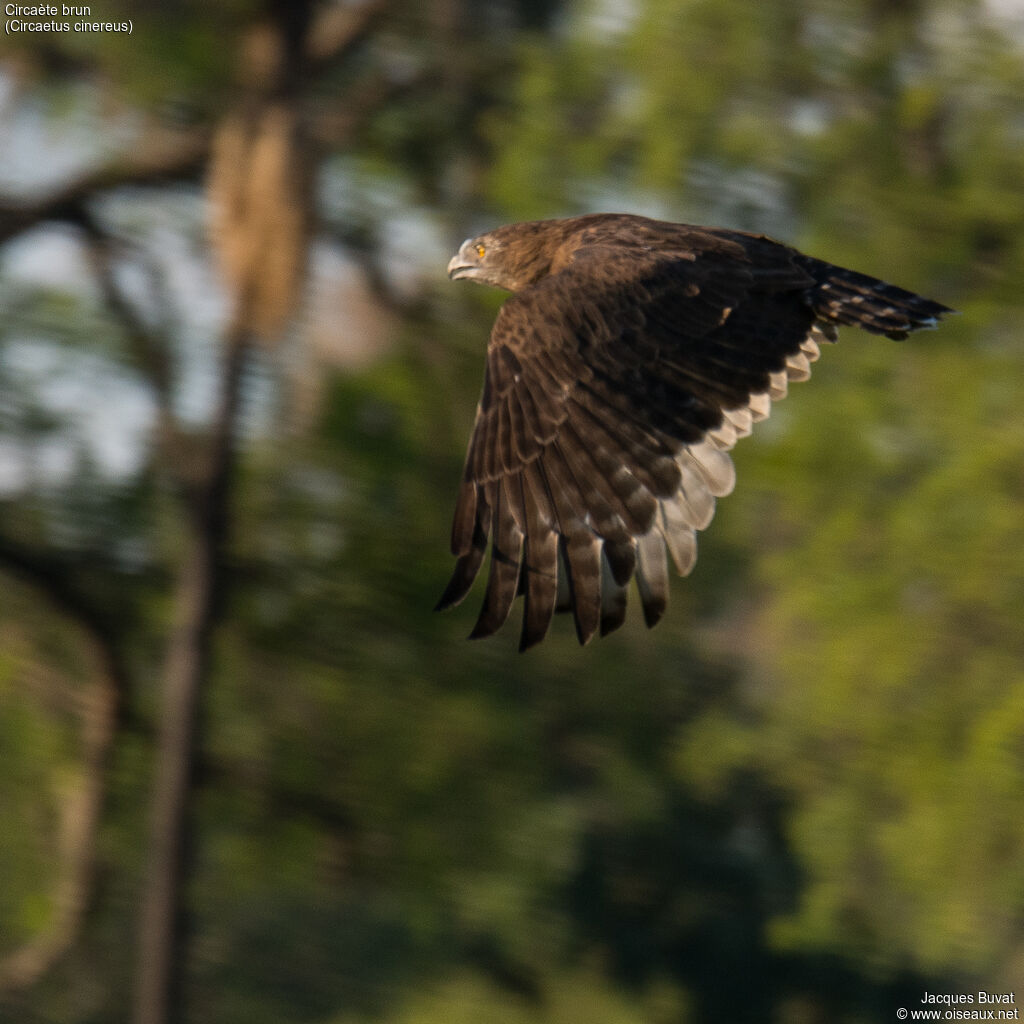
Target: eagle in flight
[[632, 355]]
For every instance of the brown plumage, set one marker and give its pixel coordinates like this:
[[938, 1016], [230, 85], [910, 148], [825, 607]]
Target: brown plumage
[[630, 358]]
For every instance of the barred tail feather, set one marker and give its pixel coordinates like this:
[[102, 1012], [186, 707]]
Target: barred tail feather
[[843, 296]]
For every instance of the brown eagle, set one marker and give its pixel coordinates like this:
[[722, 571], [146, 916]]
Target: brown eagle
[[631, 356]]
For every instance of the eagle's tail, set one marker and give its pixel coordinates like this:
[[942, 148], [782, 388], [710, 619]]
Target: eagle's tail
[[842, 296]]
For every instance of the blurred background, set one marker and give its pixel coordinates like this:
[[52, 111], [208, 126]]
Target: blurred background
[[247, 774]]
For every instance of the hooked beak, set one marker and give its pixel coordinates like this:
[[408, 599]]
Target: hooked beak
[[465, 263], [458, 267]]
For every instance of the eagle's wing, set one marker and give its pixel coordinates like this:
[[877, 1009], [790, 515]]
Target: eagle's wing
[[612, 392]]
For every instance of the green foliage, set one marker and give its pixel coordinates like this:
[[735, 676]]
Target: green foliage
[[575, 999], [37, 735], [800, 797]]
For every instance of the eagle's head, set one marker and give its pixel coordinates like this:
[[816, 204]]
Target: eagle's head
[[476, 260], [511, 257]]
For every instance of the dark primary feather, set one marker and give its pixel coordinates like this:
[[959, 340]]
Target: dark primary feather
[[631, 357]]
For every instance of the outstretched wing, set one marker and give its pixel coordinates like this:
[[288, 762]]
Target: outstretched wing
[[612, 393]]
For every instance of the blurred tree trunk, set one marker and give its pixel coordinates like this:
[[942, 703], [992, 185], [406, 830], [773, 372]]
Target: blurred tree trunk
[[185, 670], [259, 198]]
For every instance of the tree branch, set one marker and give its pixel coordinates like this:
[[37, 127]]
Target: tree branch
[[150, 348], [167, 156], [338, 30], [100, 707], [50, 576]]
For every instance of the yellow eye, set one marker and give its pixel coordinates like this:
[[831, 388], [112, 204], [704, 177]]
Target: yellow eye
[[480, 250]]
